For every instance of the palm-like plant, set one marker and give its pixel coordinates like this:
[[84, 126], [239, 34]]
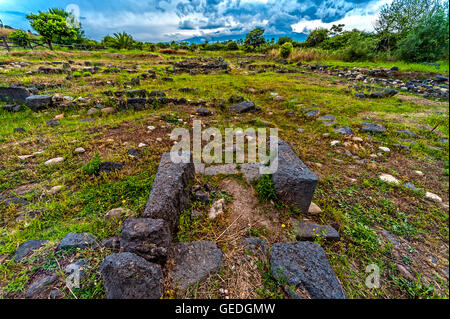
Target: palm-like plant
[[123, 40]]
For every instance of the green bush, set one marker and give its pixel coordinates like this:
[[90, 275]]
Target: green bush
[[19, 38], [232, 46], [286, 50], [87, 74], [359, 48]]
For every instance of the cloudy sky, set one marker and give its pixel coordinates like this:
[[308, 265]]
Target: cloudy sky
[[163, 20]]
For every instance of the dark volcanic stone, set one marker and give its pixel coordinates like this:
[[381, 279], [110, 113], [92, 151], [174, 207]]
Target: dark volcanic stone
[[390, 92], [12, 108], [169, 195], [109, 167], [16, 201], [16, 94], [345, 130], [294, 182], [360, 95], [77, 240], [194, 262], [26, 249], [137, 103], [312, 113], [203, 112], [38, 102], [128, 276], [19, 130], [310, 231], [327, 117], [243, 107], [53, 123], [132, 152], [377, 95], [157, 94], [373, 127], [409, 133], [40, 289], [136, 93], [146, 237], [305, 265]]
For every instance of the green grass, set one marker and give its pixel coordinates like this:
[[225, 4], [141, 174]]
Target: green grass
[[358, 210]]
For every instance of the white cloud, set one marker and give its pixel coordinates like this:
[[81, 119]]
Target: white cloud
[[360, 18]]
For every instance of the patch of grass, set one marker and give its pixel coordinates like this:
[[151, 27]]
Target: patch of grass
[[272, 288], [266, 189], [92, 167]]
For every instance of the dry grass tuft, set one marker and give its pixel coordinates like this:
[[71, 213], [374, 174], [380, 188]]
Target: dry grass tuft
[[309, 55], [5, 32], [172, 51]]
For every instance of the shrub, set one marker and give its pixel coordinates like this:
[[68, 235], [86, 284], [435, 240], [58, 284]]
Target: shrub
[[359, 48], [286, 50], [19, 38], [87, 74], [232, 46], [77, 74]]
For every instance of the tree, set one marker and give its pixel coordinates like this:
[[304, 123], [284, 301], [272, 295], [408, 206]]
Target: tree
[[72, 22], [283, 40], [336, 29], [254, 39], [428, 40], [316, 37], [20, 38], [402, 15], [119, 41], [49, 25]]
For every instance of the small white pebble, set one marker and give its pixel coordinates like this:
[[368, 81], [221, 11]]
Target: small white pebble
[[433, 197], [54, 161], [389, 179], [334, 143], [142, 145], [420, 173], [384, 149], [55, 189], [159, 139], [24, 157]]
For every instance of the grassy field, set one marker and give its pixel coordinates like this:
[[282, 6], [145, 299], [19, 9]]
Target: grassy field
[[352, 198]]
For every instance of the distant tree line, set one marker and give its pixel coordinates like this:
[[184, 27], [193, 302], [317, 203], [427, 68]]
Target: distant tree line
[[410, 30]]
